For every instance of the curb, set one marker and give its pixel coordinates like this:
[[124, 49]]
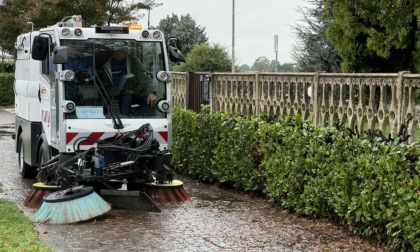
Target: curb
[[12, 111]]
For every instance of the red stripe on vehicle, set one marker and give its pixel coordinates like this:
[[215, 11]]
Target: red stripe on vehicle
[[44, 115], [92, 138], [70, 136], [164, 135]]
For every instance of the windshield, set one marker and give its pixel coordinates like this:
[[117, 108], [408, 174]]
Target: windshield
[[114, 75]]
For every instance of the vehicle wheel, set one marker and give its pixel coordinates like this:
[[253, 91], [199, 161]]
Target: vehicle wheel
[[43, 156], [25, 170]]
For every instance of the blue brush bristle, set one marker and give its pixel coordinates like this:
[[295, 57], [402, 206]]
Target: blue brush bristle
[[71, 211]]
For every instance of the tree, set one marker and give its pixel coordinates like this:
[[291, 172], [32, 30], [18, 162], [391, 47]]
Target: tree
[[12, 22], [314, 52], [118, 11], [274, 65], [262, 64], [287, 67], [186, 29], [3, 56], [244, 68], [150, 4], [167, 24], [52, 11], [16, 13], [375, 36], [204, 57]]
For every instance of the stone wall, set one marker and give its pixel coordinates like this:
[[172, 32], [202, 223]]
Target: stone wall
[[366, 101]]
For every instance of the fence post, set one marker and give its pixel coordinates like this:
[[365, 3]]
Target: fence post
[[212, 95], [314, 100], [187, 90], [400, 97], [257, 95]]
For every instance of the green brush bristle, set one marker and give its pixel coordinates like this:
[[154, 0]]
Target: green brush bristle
[[65, 211]]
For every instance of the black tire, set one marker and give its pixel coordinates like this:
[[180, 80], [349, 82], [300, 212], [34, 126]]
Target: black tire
[[43, 156], [25, 170]]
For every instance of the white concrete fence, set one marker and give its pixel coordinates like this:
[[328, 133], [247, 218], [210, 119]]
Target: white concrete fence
[[369, 101]]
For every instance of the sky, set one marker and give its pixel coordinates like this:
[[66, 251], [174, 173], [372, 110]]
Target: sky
[[256, 24]]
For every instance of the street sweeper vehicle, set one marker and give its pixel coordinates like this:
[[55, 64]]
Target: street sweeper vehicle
[[87, 118]]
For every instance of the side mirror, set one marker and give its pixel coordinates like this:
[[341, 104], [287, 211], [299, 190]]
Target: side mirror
[[174, 50], [60, 55], [175, 54], [39, 48], [174, 41]]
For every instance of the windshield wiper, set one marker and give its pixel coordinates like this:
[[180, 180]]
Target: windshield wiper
[[116, 120]]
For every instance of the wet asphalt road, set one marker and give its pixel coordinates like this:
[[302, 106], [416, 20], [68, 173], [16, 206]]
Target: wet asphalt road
[[215, 220]]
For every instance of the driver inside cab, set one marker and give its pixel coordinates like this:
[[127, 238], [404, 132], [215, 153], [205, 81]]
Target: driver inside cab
[[124, 80]]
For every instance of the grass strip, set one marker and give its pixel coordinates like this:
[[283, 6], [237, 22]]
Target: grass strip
[[17, 233]]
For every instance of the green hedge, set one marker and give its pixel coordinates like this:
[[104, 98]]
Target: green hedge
[[216, 148], [7, 96], [370, 186], [7, 67]]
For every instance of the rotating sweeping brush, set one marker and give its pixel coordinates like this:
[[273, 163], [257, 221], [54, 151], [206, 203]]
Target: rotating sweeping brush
[[70, 206], [36, 197], [166, 193]]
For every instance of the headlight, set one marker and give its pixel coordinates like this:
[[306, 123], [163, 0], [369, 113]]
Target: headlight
[[156, 35], [65, 32], [78, 32], [70, 106], [145, 34], [164, 106], [164, 76], [66, 75], [69, 75]]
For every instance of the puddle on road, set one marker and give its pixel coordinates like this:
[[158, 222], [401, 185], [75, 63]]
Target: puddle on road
[[5, 133], [223, 203], [7, 126], [7, 130], [207, 197]]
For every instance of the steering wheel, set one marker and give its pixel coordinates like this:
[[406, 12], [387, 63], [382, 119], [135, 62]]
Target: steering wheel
[[82, 76]]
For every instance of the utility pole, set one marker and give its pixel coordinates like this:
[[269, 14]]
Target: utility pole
[[276, 46], [148, 4], [233, 36], [148, 18]]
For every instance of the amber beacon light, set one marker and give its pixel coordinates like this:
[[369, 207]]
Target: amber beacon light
[[136, 26]]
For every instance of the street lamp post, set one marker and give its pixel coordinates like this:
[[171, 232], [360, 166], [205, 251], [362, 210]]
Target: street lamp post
[[148, 4], [148, 18], [276, 45], [233, 36]]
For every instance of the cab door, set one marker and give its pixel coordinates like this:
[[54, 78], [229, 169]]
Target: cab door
[[49, 93]]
